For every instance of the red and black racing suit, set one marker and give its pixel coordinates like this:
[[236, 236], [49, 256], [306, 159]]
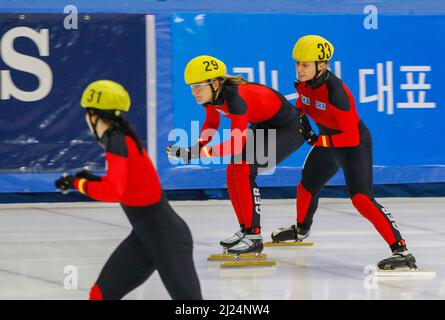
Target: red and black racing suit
[[344, 142], [265, 109], [160, 240]]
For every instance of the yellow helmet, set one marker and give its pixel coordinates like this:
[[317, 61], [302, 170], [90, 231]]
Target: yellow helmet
[[106, 95], [202, 68], [313, 48]]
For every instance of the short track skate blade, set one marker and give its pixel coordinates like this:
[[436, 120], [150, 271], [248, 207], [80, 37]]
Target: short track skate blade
[[402, 273], [243, 264], [288, 244], [228, 256]]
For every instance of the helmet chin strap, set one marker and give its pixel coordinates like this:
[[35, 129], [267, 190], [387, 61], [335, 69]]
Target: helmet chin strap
[[213, 92], [318, 73], [94, 125]]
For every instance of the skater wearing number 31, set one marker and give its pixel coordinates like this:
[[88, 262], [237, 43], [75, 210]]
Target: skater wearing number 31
[[159, 240]]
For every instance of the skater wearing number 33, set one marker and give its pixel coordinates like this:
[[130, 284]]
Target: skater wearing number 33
[[343, 142]]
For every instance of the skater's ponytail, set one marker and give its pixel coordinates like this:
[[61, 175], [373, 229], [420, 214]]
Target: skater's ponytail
[[115, 119], [228, 79], [128, 129]]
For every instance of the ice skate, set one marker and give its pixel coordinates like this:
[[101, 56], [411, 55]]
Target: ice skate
[[400, 260], [233, 240], [401, 263], [251, 244], [291, 236], [230, 242]]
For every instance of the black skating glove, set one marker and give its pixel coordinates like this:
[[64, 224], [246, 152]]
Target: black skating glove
[[184, 153], [306, 130], [65, 183], [86, 174]]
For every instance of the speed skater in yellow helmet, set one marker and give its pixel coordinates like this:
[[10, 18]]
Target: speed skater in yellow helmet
[[312, 54]]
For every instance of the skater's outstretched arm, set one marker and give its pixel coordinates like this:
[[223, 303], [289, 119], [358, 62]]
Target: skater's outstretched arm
[[209, 127], [111, 186], [237, 141]]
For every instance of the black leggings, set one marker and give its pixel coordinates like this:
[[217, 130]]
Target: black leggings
[[160, 240], [356, 162]]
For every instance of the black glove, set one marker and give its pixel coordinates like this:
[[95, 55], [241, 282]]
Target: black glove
[[306, 130], [184, 153], [85, 174], [65, 183]]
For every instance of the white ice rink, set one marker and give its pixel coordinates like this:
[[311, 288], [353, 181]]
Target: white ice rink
[[38, 241]]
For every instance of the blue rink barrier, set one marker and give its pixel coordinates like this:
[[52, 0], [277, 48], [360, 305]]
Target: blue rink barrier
[[380, 190], [44, 182], [41, 139]]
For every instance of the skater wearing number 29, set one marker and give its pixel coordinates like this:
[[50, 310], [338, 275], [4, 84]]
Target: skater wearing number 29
[[343, 142], [244, 103], [159, 240]]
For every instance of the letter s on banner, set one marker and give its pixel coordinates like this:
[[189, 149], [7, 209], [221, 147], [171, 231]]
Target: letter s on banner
[[25, 63]]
